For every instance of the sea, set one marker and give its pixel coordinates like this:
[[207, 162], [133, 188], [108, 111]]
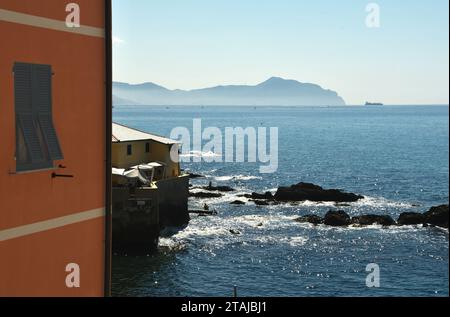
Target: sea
[[397, 157]]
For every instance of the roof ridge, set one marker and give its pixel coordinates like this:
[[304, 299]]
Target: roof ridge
[[161, 136], [147, 133]]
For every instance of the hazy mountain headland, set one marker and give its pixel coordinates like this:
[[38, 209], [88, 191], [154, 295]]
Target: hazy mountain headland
[[273, 92]]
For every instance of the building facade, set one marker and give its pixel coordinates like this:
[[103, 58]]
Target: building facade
[[149, 190], [55, 100], [132, 147]]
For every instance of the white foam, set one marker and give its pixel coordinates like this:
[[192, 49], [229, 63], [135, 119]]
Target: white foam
[[374, 227], [292, 241], [372, 202], [442, 229], [223, 178], [308, 203], [251, 220], [227, 197], [368, 201], [267, 240], [197, 231], [298, 241], [200, 154], [236, 178], [172, 244], [269, 221]]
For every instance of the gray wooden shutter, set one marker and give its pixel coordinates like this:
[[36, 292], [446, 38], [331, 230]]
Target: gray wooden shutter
[[23, 91], [42, 104]]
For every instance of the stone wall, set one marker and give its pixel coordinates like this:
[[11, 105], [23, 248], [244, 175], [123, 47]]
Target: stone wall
[[135, 220], [173, 196]]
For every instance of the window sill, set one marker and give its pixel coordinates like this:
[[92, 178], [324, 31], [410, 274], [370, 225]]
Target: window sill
[[51, 169]]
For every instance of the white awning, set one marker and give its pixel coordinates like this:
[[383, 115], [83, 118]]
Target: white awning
[[143, 167], [136, 174], [156, 164], [148, 167], [118, 171]]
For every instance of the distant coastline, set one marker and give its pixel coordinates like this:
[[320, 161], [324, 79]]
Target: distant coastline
[[274, 91]]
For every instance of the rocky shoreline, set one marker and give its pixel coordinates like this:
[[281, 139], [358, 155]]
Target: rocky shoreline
[[436, 216], [295, 193]]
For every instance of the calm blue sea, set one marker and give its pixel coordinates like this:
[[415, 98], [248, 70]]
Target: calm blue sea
[[398, 157]]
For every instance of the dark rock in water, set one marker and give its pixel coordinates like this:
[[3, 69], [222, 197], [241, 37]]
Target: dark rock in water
[[311, 192], [336, 218], [237, 202], [266, 195], [192, 176], [342, 205], [260, 224], [411, 218], [235, 232], [205, 195], [437, 216], [261, 202], [257, 196], [204, 212], [310, 219], [218, 188], [367, 220]]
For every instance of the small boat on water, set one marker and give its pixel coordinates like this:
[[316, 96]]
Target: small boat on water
[[374, 104]]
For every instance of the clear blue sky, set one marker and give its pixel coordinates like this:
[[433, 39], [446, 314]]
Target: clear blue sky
[[189, 44]]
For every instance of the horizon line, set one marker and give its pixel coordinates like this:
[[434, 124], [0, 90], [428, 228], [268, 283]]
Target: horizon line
[[298, 106]]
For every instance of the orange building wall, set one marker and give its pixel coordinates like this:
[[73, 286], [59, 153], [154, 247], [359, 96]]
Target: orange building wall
[[35, 264]]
